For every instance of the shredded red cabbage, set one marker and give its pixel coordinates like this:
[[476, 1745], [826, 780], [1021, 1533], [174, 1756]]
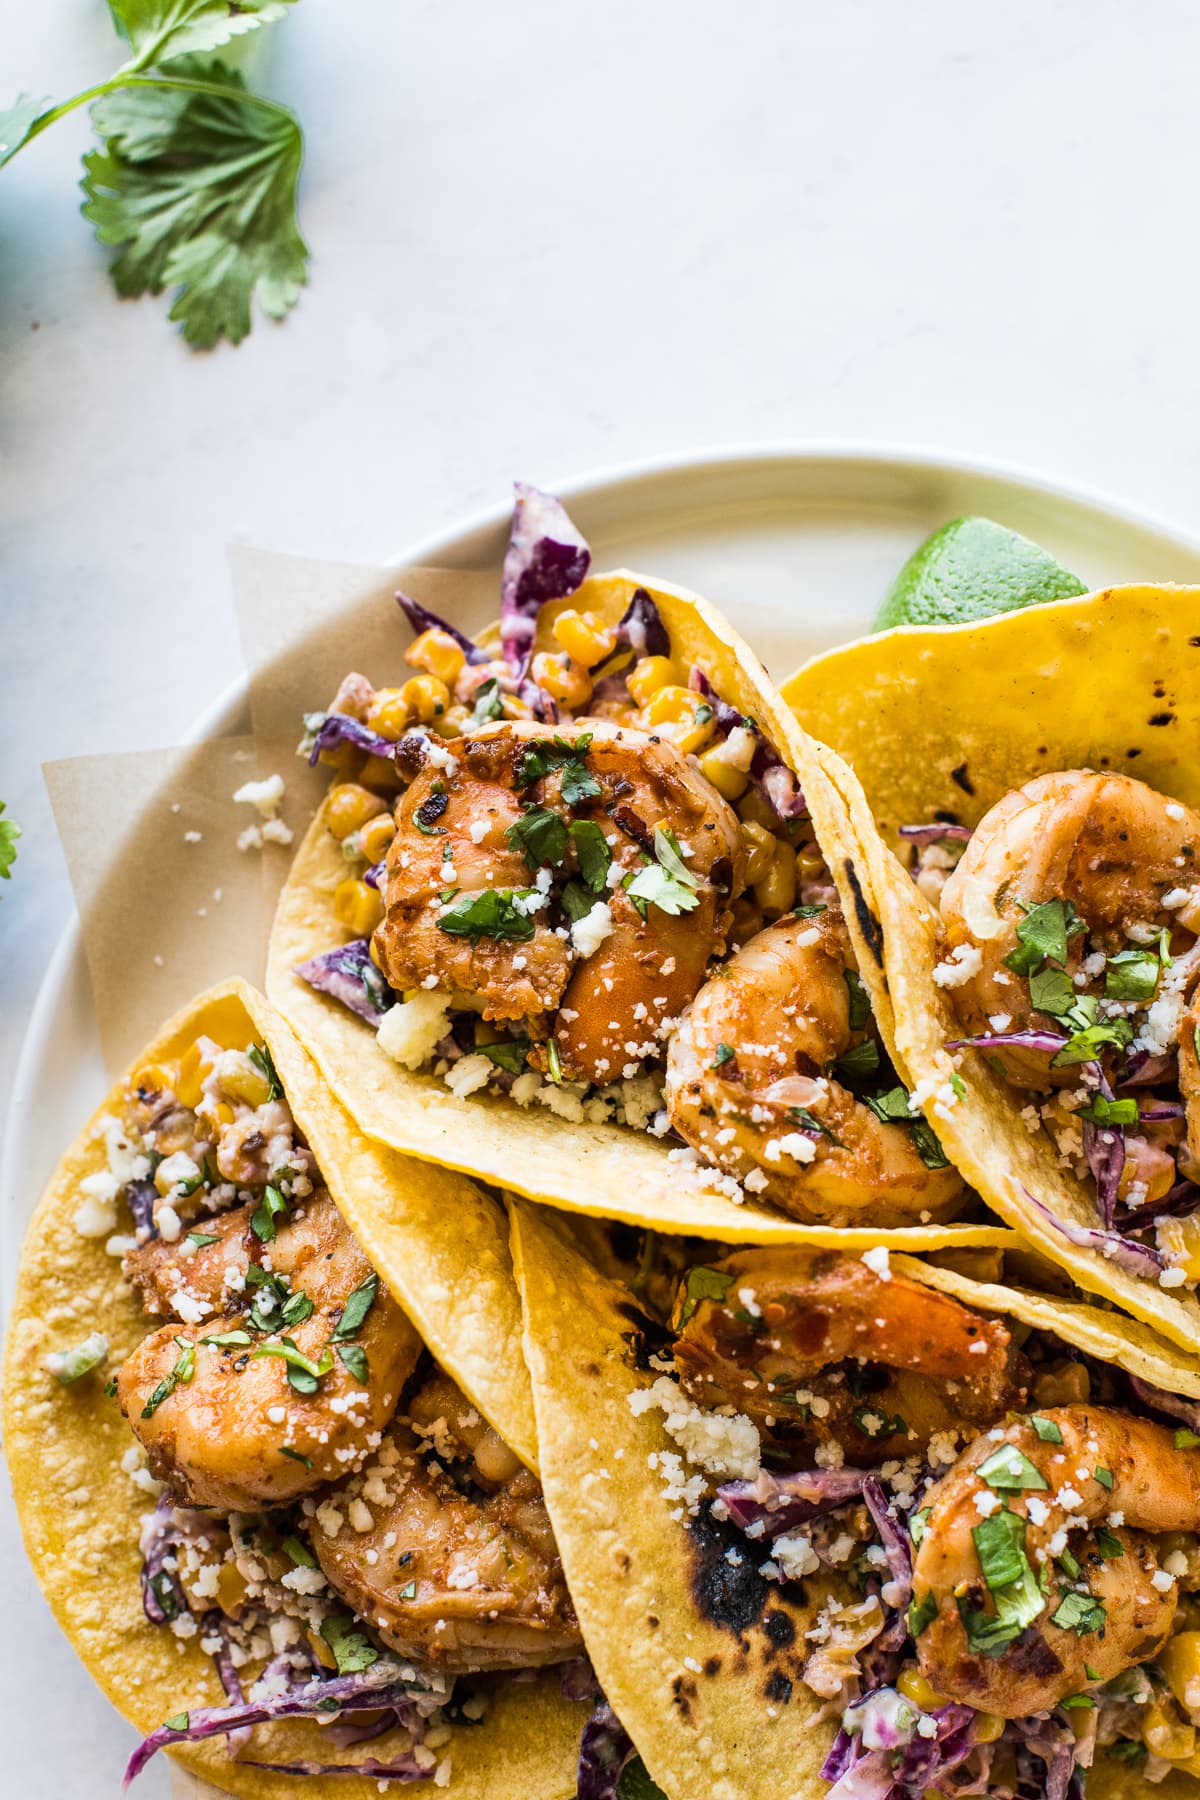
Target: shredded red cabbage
[[904, 1770], [140, 1197], [897, 1546], [768, 771], [1175, 1406], [605, 1751], [1144, 1070], [375, 874], [1045, 1754], [1049, 1041], [1104, 1146], [1183, 1198], [340, 728], [346, 973], [1128, 1255], [366, 1692], [782, 1501], [163, 1598], [547, 559], [641, 629], [934, 834], [422, 619]]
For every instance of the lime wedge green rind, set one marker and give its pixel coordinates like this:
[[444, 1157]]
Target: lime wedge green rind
[[973, 568]]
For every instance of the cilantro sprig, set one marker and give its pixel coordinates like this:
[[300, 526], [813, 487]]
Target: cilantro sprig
[[195, 180], [10, 831]]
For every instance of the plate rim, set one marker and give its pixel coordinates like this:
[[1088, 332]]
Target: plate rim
[[215, 719]]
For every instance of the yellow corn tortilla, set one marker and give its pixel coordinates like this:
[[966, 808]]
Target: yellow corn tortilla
[[982, 1132], [951, 717], [692, 1692], [632, 1566], [81, 1511], [607, 1170]]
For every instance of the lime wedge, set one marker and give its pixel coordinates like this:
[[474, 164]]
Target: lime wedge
[[971, 569]]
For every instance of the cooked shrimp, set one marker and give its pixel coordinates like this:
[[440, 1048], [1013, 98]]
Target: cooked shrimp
[[221, 1423], [452, 833], [1189, 1086], [816, 1346], [458, 1566], [1110, 845], [1112, 1471], [212, 1274], [750, 1084]]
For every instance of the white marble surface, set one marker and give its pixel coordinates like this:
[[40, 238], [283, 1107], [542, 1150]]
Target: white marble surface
[[547, 237]]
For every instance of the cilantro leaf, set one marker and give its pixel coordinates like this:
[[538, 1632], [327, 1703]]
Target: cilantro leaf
[[490, 913], [352, 1650], [725, 1053], [10, 831], [1132, 975], [702, 1284], [893, 1108], [859, 999], [1042, 936], [488, 704], [1052, 991], [1048, 1430], [591, 847], [16, 122], [272, 1206], [158, 29], [1079, 1613], [1009, 1467], [922, 1613], [259, 1055], [652, 886], [540, 836], [509, 1054], [860, 1062], [357, 1307], [197, 184], [1109, 1112], [577, 901], [354, 1358]]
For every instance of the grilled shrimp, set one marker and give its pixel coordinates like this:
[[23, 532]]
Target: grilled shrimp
[[1113, 1479], [453, 829], [1110, 845], [750, 1084], [815, 1346], [457, 1565], [221, 1422]]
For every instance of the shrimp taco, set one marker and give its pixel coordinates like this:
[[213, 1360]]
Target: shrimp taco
[[868, 1526], [1042, 948], [565, 922], [281, 1495]]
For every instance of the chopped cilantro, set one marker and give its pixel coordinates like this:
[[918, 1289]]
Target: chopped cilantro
[[957, 1085], [177, 1722], [667, 882], [860, 1062], [510, 1054], [916, 1525], [1009, 1468], [1186, 1439], [303, 1374], [110, 1387], [811, 911], [489, 913], [262, 1219], [591, 847], [545, 754], [1016, 1595], [553, 1063], [875, 1424], [71, 1365], [892, 1107], [409, 1592], [725, 1053], [1109, 1544], [299, 1552], [265, 1314], [922, 1613], [1080, 1613], [1052, 991], [1087, 1042], [1104, 1477], [1000, 1546], [229, 1340], [1046, 1429], [488, 704], [577, 902], [1076, 1700], [296, 1308], [1100, 1111], [702, 1284], [809, 1122], [354, 1359], [540, 835], [352, 1650], [185, 1368], [264, 1062], [1069, 1566], [860, 1000], [1132, 975], [202, 1239], [1042, 936], [294, 1455], [356, 1308]]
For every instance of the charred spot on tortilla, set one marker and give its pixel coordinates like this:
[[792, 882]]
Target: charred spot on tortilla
[[1162, 718], [1132, 753], [961, 779], [712, 1666], [683, 1692], [778, 1687], [780, 1629], [868, 924], [731, 1594]]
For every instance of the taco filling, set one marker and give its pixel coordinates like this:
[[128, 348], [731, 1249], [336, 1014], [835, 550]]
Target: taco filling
[[1070, 919], [996, 1533], [333, 1520], [583, 879]]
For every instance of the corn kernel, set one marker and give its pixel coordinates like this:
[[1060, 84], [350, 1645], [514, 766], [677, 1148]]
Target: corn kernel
[[426, 697], [343, 759], [155, 1078], [376, 835], [584, 637], [231, 1589], [194, 1069], [242, 1081], [760, 851], [755, 809], [388, 713], [357, 906], [1165, 1733], [649, 674], [349, 808], [914, 1686], [776, 892], [321, 1651], [1179, 1660], [810, 864], [672, 705], [436, 652], [988, 1727], [729, 782], [455, 720], [223, 1113], [564, 680], [1180, 1238]]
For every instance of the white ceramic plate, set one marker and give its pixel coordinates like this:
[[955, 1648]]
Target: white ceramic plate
[[798, 546]]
